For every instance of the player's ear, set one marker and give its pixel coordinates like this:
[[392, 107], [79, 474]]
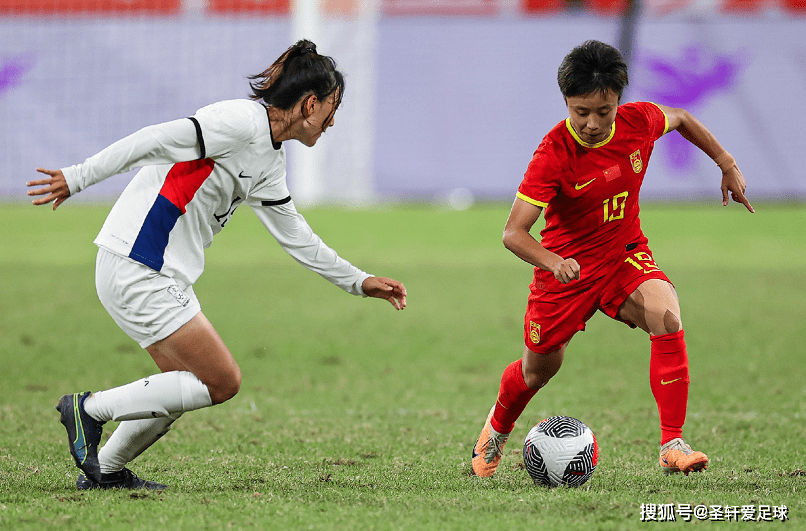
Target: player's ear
[[308, 105], [305, 108]]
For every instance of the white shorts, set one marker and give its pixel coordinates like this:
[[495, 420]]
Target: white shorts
[[146, 304]]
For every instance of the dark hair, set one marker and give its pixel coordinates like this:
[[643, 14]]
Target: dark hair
[[298, 72], [592, 67]]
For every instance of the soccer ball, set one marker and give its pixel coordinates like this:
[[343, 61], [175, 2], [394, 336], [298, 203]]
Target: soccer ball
[[560, 451]]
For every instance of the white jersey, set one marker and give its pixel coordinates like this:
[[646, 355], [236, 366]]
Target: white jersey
[[195, 172]]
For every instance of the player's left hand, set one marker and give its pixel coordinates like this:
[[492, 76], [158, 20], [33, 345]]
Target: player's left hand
[[386, 288], [733, 184], [55, 186]]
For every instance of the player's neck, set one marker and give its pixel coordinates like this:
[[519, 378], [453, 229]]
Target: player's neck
[[281, 123]]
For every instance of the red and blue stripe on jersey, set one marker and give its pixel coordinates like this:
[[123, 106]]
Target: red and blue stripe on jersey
[[181, 184]]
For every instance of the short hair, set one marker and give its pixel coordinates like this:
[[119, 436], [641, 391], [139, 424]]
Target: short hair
[[299, 71], [592, 67]]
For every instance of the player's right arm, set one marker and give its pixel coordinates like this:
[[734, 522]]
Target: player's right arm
[[518, 239], [298, 239]]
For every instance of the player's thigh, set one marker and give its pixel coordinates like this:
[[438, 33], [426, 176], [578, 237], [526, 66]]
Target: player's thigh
[[165, 318], [638, 293], [654, 307], [197, 347]]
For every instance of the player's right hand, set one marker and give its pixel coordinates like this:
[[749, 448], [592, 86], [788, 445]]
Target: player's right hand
[[55, 186], [566, 270], [386, 288]]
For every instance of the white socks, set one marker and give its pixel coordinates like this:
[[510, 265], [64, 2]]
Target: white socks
[[131, 439], [159, 395], [148, 407]]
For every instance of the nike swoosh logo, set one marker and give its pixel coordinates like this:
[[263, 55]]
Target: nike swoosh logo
[[581, 186], [242, 176], [664, 382]]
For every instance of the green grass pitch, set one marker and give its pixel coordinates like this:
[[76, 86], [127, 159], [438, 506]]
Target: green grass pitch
[[354, 416]]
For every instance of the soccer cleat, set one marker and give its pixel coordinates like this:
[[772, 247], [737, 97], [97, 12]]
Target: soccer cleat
[[123, 479], [83, 433], [488, 449], [677, 456]]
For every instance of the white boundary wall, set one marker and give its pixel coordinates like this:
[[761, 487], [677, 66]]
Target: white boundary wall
[[432, 104]]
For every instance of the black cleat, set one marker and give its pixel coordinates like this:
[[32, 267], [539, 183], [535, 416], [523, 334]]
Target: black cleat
[[83, 433], [124, 479]]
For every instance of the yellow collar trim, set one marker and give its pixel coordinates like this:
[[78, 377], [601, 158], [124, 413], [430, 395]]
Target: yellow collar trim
[[585, 144]]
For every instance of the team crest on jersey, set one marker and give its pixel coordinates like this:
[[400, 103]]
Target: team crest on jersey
[[637, 163], [534, 332]]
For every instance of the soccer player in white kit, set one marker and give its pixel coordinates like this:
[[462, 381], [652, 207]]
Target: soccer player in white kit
[[194, 173]]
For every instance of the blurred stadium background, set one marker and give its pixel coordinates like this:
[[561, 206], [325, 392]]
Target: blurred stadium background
[[446, 99]]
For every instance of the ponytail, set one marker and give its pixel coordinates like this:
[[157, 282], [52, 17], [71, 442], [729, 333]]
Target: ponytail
[[296, 73]]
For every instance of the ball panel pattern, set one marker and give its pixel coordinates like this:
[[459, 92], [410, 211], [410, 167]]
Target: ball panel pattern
[[560, 451]]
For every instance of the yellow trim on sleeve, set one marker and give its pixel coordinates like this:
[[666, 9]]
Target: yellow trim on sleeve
[[665, 118], [531, 201]]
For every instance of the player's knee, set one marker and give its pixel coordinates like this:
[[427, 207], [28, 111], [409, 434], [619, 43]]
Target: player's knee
[[535, 381], [222, 393], [671, 322], [538, 369], [226, 387]]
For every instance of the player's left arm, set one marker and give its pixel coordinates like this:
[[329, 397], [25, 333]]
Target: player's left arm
[[733, 182], [164, 143]]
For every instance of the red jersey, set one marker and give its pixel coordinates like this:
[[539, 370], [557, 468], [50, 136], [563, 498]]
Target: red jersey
[[589, 192]]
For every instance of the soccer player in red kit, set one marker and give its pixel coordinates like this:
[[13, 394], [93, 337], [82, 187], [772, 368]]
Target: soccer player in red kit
[[586, 176]]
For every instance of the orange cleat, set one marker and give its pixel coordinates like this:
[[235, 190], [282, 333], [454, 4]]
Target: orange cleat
[[677, 456], [488, 450]]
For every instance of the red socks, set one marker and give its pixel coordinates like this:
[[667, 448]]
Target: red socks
[[512, 398], [668, 378]]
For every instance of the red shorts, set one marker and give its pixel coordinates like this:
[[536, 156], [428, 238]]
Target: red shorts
[[552, 319]]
